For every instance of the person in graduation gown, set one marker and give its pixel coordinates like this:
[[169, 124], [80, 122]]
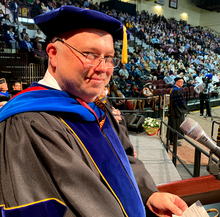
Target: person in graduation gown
[[62, 151], [177, 108], [16, 88]]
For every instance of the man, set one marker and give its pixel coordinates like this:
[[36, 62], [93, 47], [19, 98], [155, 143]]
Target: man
[[153, 65], [22, 34], [168, 79], [39, 54], [177, 109], [16, 86], [204, 89], [36, 8], [26, 45], [123, 72], [50, 6], [64, 143], [4, 95]]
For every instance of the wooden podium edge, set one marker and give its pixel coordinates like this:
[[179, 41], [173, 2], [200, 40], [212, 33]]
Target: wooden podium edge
[[204, 188]]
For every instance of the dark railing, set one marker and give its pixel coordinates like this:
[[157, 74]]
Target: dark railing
[[198, 150], [213, 126]]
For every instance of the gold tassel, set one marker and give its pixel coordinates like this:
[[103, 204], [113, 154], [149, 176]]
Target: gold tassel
[[124, 47]]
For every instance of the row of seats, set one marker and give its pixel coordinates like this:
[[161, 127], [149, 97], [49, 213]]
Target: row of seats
[[160, 84]]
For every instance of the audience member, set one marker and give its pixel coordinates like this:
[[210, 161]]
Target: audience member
[[22, 34], [26, 45], [36, 8], [4, 95], [44, 8], [14, 10], [11, 38], [7, 23], [50, 6], [41, 37], [135, 94], [16, 88], [123, 71], [168, 80], [39, 54], [149, 93]]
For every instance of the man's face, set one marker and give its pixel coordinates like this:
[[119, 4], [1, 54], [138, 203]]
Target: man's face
[[72, 73], [26, 37], [179, 83], [17, 86], [4, 87], [39, 47]]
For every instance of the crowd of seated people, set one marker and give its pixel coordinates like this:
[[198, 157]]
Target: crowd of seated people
[[4, 94], [174, 48]]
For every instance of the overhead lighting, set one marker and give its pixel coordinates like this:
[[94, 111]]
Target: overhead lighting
[[158, 7], [185, 14]]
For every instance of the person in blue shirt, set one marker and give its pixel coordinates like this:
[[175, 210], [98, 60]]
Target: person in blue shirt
[[168, 80], [86, 4], [138, 71], [155, 40], [153, 65], [128, 64], [131, 72]]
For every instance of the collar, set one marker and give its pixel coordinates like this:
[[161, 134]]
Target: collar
[[49, 81], [178, 87]]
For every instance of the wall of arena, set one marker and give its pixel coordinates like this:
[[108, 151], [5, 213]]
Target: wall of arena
[[195, 16]]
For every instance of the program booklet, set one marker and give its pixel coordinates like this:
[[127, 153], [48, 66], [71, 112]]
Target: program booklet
[[195, 210]]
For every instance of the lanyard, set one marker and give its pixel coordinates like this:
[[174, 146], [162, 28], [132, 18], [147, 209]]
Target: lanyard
[[97, 102]]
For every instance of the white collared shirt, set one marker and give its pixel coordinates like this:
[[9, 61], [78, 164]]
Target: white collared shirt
[[49, 80]]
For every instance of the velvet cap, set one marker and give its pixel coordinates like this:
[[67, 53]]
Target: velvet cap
[[177, 79], [67, 18], [2, 80]]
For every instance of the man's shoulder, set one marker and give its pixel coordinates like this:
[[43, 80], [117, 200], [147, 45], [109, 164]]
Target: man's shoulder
[[36, 121], [43, 118]]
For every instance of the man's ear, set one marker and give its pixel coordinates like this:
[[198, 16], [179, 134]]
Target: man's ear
[[52, 54]]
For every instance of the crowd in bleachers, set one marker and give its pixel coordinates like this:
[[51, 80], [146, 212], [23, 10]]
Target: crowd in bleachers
[[168, 48]]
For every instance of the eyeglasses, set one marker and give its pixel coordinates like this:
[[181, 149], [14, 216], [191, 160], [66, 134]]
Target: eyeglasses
[[95, 59]]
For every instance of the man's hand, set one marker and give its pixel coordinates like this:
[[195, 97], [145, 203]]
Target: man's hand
[[165, 204]]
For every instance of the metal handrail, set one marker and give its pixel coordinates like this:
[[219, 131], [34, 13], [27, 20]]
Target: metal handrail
[[214, 122], [198, 150]]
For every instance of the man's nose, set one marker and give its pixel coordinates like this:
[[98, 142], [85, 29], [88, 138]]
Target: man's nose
[[101, 67]]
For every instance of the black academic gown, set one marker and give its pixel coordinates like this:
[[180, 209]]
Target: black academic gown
[[41, 158], [177, 111]]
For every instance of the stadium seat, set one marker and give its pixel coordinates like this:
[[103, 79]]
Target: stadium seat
[[160, 86], [164, 91], [161, 81], [191, 92], [158, 92], [166, 85], [185, 92]]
